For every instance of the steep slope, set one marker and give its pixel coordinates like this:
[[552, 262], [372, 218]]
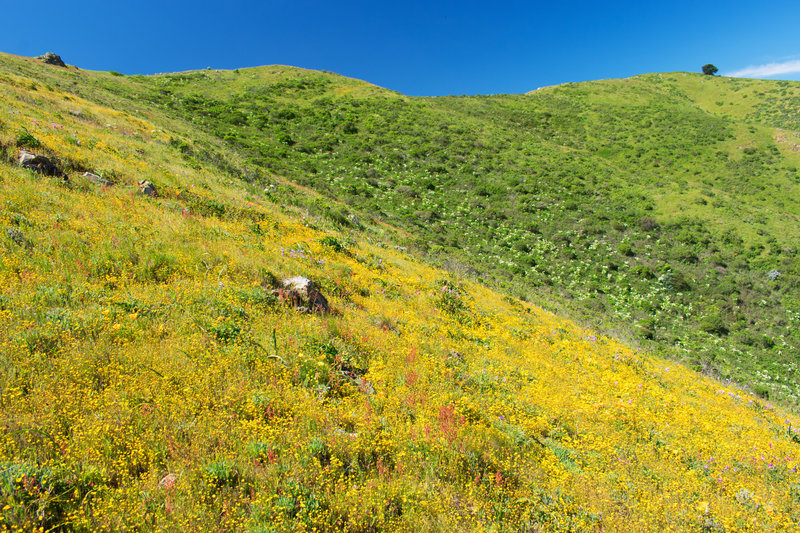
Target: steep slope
[[152, 380], [657, 208]]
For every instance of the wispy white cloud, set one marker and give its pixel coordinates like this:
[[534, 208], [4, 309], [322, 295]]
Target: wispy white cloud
[[765, 71]]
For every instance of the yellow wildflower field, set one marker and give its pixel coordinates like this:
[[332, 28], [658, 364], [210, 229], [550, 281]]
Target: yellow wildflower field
[[151, 380]]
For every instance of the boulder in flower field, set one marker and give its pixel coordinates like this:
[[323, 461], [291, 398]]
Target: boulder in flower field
[[302, 294]]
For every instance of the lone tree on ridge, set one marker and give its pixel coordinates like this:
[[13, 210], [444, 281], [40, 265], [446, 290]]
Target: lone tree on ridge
[[710, 69]]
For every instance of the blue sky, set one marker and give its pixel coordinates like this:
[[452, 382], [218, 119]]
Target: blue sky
[[417, 48]]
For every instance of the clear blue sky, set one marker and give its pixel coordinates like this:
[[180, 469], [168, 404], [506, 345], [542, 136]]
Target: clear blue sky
[[415, 47]]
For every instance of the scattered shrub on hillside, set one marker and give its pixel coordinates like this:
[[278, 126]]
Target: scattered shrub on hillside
[[26, 140], [647, 328], [675, 281], [335, 244], [625, 249], [761, 391], [221, 473], [451, 298], [714, 324], [182, 146], [642, 272], [341, 216], [285, 138], [648, 224]]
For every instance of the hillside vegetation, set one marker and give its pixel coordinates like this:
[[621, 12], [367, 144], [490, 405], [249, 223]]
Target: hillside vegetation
[[654, 208], [153, 380]]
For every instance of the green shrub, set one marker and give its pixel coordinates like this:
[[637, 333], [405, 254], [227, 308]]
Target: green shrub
[[221, 473], [260, 450], [26, 140], [226, 330], [334, 244], [714, 324], [647, 328], [643, 272], [625, 249], [675, 281]]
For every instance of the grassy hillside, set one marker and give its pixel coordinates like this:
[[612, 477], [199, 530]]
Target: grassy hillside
[[152, 380], [653, 208]]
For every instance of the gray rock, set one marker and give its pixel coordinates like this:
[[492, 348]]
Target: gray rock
[[147, 188], [53, 59], [26, 158], [38, 163], [303, 295], [97, 179], [773, 275], [18, 237]]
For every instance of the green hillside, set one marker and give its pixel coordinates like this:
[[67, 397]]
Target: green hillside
[[155, 374], [652, 207]]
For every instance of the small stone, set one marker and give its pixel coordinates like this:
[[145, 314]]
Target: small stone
[[97, 179], [773, 275], [26, 158], [168, 482], [147, 188]]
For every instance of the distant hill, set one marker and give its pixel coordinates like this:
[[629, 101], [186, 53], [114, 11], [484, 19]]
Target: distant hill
[[156, 374]]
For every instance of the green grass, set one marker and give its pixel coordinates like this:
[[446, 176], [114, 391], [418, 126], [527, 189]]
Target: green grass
[[150, 377], [536, 194]]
